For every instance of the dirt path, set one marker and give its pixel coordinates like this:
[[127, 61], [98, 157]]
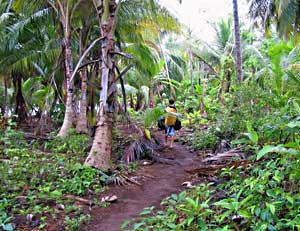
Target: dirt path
[[133, 198]]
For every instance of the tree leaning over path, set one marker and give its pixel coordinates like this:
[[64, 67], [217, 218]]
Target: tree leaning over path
[[239, 68], [107, 11], [100, 154]]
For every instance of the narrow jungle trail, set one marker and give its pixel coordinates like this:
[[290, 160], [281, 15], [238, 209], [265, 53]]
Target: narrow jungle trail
[[164, 180]]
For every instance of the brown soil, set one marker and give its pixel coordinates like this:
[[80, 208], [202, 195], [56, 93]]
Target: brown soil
[[160, 181]]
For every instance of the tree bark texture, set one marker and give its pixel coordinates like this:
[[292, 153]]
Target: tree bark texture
[[68, 64], [139, 102], [20, 105], [227, 81], [81, 125], [5, 103], [239, 68], [191, 61], [100, 154], [151, 97]]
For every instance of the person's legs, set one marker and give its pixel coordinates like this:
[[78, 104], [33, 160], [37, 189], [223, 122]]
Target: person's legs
[[172, 135], [172, 142], [166, 135], [166, 141]]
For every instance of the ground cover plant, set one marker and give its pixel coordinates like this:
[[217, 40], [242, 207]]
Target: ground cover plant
[[261, 194], [39, 186]]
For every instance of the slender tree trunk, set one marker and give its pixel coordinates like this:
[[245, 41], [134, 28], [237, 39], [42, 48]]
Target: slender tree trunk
[[139, 102], [20, 105], [151, 97], [227, 81], [131, 103], [5, 103], [100, 154], [253, 72], [191, 60], [81, 126], [91, 113], [202, 83], [68, 64], [239, 68]]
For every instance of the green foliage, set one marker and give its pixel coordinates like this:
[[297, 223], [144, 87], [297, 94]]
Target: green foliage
[[185, 211], [201, 139], [12, 138], [151, 115], [83, 178], [43, 179], [263, 195], [72, 143], [4, 220], [73, 224]]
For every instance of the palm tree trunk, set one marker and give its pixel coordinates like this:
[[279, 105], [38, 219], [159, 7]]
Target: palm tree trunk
[[239, 68], [91, 108], [151, 97], [139, 102], [68, 64], [202, 83], [20, 105], [5, 103], [81, 126], [100, 154], [131, 102], [191, 69], [227, 81]]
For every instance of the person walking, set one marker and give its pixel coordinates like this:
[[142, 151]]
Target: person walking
[[170, 120]]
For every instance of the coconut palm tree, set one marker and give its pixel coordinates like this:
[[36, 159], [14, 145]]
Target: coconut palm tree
[[65, 12], [108, 11], [283, 13], [239, 61], [21, 48]]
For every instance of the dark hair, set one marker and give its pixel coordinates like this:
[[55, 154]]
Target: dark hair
[[171, 101]]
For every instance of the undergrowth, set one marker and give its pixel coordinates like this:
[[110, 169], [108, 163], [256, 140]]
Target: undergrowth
[[34, 184], [263, 195]]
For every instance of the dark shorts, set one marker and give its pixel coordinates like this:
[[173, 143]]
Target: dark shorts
[[169, 130]]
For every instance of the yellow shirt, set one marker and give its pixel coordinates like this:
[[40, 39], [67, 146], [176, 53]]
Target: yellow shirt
[[170, 116]]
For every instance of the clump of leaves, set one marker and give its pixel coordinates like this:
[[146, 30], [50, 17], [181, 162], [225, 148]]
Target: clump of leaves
[[72, 143], [12, 138], [151, 115], [201, 139]]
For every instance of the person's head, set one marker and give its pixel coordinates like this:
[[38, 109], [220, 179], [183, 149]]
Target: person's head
[[171, 101]]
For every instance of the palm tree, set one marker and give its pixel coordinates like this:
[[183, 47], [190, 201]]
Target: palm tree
[[107, 11], [219, 56], [239, 63], [22, 46], [100, 154], [285, 14]]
